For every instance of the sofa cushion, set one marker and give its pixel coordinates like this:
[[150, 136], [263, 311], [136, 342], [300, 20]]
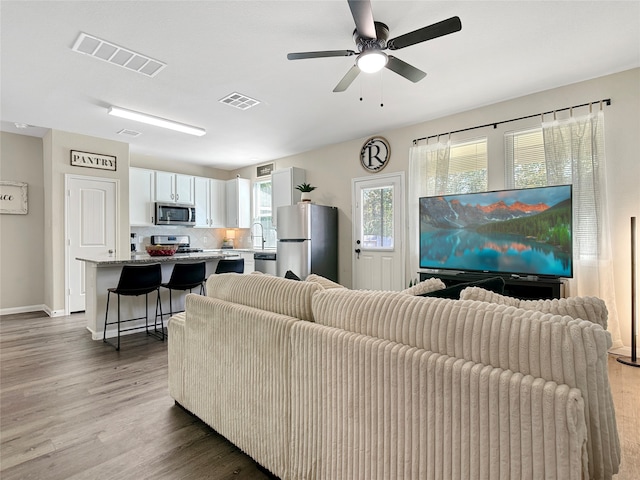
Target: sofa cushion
[[428, 285], [322, 281], [585, 308], [493, 284], [267, 292]]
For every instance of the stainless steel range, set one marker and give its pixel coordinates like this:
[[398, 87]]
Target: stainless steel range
[[183, 242]]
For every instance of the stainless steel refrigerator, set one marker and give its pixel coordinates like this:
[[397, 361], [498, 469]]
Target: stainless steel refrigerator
[[308, 240]]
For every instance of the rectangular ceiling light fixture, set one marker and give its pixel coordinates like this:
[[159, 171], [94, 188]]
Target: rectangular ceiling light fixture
[[116, 55], [239, 101], [157, 121]]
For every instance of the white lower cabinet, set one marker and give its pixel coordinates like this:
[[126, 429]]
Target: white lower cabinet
[[249, 262], [211, 202]]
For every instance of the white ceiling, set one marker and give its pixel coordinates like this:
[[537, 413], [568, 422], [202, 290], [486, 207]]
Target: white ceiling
[[506, 49]]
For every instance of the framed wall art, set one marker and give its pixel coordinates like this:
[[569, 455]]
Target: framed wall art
[[13, 198]]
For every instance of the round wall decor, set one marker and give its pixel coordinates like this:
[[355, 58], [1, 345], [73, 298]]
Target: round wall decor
[[375, 154]]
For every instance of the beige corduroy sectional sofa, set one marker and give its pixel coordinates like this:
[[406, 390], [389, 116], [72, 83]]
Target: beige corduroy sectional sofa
[[316, 382]]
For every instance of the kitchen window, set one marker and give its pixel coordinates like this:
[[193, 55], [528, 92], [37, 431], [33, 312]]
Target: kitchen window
[[262, 226]]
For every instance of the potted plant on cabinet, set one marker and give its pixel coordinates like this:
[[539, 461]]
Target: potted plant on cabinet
[[306, 190]]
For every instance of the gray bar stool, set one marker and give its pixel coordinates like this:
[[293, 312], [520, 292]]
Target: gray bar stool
[[185, 276], [136, 280]]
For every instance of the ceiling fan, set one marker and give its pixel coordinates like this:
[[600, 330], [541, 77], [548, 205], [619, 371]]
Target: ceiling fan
[[371, 38]]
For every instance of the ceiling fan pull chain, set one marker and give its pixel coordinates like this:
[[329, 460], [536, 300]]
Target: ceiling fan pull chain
[[381, 91]]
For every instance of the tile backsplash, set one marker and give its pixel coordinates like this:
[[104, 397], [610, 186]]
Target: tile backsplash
[[206, 238]]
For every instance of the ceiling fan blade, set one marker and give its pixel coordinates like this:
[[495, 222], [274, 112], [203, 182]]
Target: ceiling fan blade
[[445, 27], [363, 17], [327, 53], [347, 79], [404, 69]]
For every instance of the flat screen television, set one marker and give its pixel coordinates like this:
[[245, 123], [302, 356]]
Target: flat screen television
[[525, 232]]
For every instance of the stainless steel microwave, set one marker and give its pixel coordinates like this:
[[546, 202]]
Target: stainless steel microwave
[[175, 214]]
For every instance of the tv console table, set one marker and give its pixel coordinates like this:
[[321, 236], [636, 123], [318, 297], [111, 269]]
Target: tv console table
[[518, 287]]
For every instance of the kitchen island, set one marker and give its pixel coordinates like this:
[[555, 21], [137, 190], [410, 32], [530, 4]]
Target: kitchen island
[[102, 273]]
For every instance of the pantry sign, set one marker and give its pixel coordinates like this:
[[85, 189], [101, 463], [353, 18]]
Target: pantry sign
[[93, 160]]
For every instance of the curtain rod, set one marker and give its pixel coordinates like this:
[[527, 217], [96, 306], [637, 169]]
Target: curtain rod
[[607, 101]]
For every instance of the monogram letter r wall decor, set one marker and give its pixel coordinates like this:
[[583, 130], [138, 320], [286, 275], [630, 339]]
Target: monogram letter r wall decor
[[375, 154]]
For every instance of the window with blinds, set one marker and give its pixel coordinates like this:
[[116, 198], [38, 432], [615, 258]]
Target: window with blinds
[[468, 167], [525, 165], [466, 170]]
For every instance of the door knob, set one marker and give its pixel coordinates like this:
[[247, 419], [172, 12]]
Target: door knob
[[357, 250]]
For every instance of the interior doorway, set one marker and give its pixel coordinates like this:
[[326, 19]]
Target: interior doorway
[[90, 228]]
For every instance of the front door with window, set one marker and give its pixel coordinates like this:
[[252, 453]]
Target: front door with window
[[378, 243]]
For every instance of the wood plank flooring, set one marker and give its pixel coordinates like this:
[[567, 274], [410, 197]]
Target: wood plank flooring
[[74, 408]]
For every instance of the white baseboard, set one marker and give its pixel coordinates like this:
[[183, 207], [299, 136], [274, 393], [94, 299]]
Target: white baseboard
[[53, 313], [23, 309]]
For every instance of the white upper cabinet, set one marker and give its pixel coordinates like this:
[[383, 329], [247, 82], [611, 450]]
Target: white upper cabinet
[[185, 189], [175, 188], [141, 197], [218, 197], [202, 202], [283, 189], [211, 202], [239, 203]]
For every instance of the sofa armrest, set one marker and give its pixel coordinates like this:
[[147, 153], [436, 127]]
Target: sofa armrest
[[176, 354], [593, 309], [235, 366]]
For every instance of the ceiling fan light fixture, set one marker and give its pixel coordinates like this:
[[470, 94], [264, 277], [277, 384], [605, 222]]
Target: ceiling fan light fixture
[[371, 61], [157, 121]]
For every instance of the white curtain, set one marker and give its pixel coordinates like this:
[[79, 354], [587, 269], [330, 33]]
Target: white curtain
[[574, 154], [428, 175]]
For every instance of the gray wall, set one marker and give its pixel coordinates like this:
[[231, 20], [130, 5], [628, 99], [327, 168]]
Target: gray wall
[[56, 154], [22, 236]]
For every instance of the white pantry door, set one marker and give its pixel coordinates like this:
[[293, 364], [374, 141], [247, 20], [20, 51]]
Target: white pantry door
[[91, 229], [378, 243]]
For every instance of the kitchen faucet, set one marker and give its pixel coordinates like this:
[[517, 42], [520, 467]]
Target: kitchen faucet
[[261, 233]]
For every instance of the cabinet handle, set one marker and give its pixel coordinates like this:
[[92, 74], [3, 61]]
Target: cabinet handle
[[177, 196], [172, 196]]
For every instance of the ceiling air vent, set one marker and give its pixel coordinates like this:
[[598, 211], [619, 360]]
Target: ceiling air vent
[[129, 133], [239, 101], [116, 55]]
